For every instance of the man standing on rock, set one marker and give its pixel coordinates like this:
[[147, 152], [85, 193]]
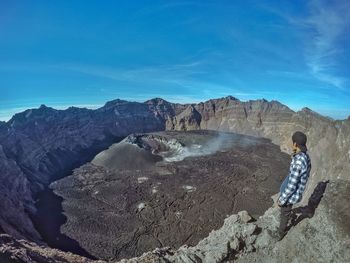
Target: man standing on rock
[[293, 186]]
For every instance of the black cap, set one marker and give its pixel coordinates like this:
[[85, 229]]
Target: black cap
[[300, 139]]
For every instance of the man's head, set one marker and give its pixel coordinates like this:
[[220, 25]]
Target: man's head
[[299, 141]]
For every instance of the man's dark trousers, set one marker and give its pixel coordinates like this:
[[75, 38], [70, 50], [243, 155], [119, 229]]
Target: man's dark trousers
[[285, 215]]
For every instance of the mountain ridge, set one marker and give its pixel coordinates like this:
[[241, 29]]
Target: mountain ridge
[[158, 100]]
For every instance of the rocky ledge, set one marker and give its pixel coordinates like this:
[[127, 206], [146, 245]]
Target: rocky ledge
[[319, 232]]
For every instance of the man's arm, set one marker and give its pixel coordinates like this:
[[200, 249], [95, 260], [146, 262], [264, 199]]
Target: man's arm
[[294, 175]]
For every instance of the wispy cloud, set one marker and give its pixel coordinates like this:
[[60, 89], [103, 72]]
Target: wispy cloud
[[179, 74], [326, 24], [322, 26]]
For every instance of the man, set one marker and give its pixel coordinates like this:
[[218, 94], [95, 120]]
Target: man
[[293, 186]]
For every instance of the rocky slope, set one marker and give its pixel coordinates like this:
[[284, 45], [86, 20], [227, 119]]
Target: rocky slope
[[320, 232], [40, 145]]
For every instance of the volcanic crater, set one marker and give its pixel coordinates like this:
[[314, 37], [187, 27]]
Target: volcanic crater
[[165, 188]]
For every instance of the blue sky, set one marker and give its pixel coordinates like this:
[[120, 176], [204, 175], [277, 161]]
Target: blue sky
[[83, 53]]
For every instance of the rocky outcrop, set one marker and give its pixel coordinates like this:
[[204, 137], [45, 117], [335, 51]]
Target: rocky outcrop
[[18, 251], [320, 234], [163, 109], [188, 119], [16, 200]]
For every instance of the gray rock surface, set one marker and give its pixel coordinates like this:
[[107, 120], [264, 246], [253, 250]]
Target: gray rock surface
[[322, 237], [16, 200], [18, 250]]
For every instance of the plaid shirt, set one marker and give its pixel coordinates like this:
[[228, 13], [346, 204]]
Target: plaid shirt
[[299, 172]]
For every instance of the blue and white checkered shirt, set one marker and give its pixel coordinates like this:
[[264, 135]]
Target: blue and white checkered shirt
[[299, 172]]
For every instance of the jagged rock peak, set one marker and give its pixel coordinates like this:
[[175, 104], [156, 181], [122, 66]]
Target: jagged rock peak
[[157, 101], [190, 108], [227, 98], [43, 106], [230, 97], [278, 104], [263, 100], [29, 114], [42, 109], [265, 105], [308, 111], [114, 103]]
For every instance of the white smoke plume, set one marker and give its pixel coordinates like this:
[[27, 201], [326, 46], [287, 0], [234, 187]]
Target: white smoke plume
[[178, 152]]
